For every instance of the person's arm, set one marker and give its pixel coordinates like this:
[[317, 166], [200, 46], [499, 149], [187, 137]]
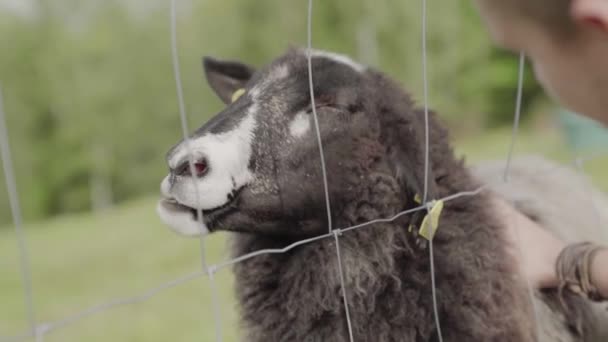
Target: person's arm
[[535, 249], [538, 251]]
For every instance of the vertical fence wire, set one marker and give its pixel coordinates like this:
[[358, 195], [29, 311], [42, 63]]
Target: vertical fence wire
[[514, 134], [186, 136], [425, 87], [184, 122], [215, 303], [323, 167], [343, 287], [13, 197], [314, 114], [425, 90]]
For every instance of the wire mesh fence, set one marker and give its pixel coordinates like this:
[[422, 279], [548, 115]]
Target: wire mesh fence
[[38, 330]]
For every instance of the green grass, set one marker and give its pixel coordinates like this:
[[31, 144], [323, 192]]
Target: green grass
[[82, 260]]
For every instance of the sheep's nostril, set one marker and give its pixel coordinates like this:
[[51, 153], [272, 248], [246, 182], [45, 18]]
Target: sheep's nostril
[[200, 168]]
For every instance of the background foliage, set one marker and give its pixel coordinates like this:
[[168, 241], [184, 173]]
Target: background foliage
[[90, 96]]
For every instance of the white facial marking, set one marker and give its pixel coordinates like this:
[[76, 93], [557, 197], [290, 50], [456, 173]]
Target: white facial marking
[[227, 155], [339, 58], [299, 125], [180, 221]]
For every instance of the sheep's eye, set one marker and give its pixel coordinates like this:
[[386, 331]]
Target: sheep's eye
[[200, 167], [321, 106]]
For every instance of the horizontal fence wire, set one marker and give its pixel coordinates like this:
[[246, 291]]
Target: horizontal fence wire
[[48, 327]]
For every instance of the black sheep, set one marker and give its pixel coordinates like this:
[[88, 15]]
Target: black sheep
[[257, 173]]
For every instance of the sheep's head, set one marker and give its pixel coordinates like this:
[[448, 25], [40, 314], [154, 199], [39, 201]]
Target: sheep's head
[[257, 165]]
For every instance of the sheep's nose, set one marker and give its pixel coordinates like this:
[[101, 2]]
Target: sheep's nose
[[199, 168]]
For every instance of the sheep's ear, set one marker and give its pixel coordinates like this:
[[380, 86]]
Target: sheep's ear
[[226, 77]]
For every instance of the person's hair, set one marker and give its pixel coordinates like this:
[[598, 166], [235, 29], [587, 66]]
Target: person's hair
[[552, 15]]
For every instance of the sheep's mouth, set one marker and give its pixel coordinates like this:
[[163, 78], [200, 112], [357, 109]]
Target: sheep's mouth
[[185, 219], [173, 205], [213, 212]]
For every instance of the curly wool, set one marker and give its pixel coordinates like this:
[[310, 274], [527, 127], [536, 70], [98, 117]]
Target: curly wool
[[296, 296]]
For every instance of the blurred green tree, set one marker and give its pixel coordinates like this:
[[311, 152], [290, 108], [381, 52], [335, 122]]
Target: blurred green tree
[[90, 95]]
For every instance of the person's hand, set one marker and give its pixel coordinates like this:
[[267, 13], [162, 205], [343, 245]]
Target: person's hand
[[535, 248], [536, 251]]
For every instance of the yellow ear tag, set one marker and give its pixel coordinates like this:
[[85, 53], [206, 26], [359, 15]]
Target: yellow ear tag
[[430, 223], [417, 199], [237, 94]]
